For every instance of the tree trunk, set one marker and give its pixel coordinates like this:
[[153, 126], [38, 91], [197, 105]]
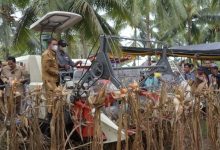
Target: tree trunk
[[217, 34], [5, 10], [189, 23], [135, 37], [148, 35]]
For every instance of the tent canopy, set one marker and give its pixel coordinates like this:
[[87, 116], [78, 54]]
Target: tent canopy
[[200, 51]]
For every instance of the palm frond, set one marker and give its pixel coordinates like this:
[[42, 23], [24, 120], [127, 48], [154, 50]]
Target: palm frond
[[21, 3], [24, 39]]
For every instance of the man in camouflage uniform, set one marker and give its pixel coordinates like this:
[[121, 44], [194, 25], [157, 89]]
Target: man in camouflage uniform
[[50, 73]]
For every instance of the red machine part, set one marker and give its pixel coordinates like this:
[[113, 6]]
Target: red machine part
[[151, 95], [82, 112]]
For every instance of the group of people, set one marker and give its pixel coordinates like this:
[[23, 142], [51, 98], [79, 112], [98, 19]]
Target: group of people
[[54, 59], [208, 72]]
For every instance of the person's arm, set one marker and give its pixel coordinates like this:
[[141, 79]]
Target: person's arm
[[77, 63], [193, 76], [61, 65], [25, 76], [72, 64], [218, 81], [4, 75]]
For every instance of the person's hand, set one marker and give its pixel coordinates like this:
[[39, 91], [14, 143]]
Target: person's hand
[[22, 81], [6, 82], [196, 55], [67, 67], [79, 62]]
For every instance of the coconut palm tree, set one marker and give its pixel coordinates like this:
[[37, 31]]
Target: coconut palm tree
[[178, 21], [10, 26], [209, 21], [186, 21], [92, 25], [5, 26]]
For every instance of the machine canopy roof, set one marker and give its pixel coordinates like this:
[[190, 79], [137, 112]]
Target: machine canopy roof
[[202, 51], [208, 48], [56, 21]]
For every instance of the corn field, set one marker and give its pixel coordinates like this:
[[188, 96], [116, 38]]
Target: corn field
[[183, 119]]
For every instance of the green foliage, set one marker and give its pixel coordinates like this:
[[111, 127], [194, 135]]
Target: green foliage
[[20, 3], [24, 39]]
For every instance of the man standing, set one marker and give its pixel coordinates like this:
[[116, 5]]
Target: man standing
[[200, 75], [188, 75], [207, 67], [64, 61], [214, 78], [50, 72], [13, 72]]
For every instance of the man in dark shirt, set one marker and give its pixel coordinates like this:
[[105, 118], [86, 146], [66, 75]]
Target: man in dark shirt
[[207, 67], [214, 78], [188, 75], [64, 61]]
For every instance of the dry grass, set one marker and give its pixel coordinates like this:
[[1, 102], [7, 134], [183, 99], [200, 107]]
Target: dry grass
[[173, 122]]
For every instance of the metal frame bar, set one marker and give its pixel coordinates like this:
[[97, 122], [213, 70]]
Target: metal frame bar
[[108, 71], [133, 39], [141, 67]]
